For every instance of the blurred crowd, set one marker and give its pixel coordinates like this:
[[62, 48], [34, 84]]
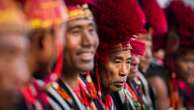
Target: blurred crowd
[[96, 55]]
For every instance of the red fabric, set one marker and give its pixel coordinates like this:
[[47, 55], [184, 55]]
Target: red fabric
[[33, 93], [138, 47], [34, 9], [86, 93], [184, 91], [155, 16], [28, 95], [77, 2], [118, 19], [181, 16], [117, 22], [108, 102], [81, 90]]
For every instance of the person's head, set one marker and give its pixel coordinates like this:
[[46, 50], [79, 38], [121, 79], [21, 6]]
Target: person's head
[[145, 59], [14, 72], [115, 67], [48, 26], [137, 51], [156, 25], [185, 62], [115, 33], [180, 38], [134, 66], [81, 40], [13, 47], [159, 54]]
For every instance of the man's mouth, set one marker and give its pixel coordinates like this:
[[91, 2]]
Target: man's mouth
[[86, 55], [119, 83]]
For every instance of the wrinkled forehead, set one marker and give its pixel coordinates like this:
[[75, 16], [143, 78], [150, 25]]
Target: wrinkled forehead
[[121, 47], [106, 50], [121, 51]]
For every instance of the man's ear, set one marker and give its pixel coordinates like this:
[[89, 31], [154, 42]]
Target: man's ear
[[46, 41], [37, 38], [40, 42], [42, 39]]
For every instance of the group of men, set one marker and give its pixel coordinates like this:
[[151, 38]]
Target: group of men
[[95, 55]]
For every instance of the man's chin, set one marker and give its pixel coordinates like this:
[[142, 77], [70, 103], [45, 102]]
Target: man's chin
[[86, 67], [115, 89]]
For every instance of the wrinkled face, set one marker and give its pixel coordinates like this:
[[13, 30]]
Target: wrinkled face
[[185, 65], [13, 66], [116, 70], [81, 44]]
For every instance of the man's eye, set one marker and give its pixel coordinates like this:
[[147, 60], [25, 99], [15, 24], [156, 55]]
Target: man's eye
[[76, 31], [129, 61], [91, 29], [116, 61]]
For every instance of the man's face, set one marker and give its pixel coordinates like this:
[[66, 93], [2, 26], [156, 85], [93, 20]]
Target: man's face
[[42, 50], [81, 44], [145, 60], [185, 65], [117, 68], [134, 66], [13, 66]]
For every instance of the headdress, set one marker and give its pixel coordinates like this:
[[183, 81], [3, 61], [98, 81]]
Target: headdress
[[79, 9], [12, 19], [44, 13]]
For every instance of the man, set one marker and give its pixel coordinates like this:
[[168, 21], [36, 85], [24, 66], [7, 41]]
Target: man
[[156, 74], [13, 54], [116, 33], [70, 91], [47, 27], [137, 81], [181, 60]]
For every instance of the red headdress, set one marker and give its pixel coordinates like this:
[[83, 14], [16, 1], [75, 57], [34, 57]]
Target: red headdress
[[181, 17], [78, 9], [117, 21], [155, 16], [180, 20], [77, 2], [156, 19], [12, 19], [44, 13]]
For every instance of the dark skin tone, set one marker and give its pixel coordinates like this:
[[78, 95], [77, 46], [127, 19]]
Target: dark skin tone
[[185, 65], [116, 70], [80, 48], [145, 59], [13, 68], [134, 66], [43, 49], [161, 93]]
